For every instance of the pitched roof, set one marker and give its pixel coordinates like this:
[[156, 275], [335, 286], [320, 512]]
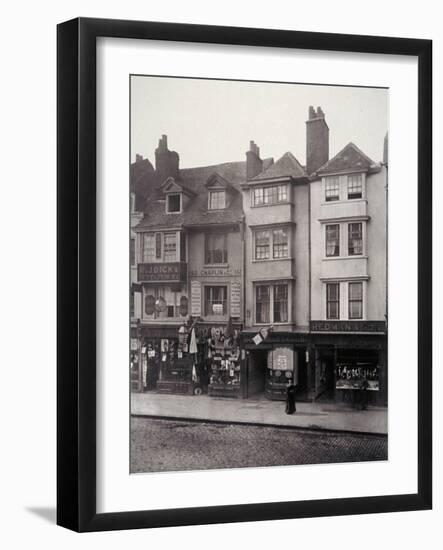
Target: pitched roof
[[348, 159], [287, 165], [196, 211]]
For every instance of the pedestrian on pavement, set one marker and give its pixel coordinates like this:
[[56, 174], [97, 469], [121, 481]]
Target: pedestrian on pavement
[[290, 398], [364, 396]]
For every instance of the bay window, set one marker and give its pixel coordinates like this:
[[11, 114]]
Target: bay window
[[272, 194], [276, 240]]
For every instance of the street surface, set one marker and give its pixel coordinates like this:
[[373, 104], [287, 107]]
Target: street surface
[[167, 445]]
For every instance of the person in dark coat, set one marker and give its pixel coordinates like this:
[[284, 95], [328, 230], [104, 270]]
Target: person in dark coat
[[290, 398]]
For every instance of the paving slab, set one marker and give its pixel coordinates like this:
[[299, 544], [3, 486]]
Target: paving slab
[[259, 410]]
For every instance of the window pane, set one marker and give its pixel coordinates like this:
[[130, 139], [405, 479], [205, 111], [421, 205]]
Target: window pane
[[355, 300], [258, 196], [148, 247], [355, 186], [333, 301], [332, 189], [262, 244], [280, 303], [170, 247], [282, 193], [355, 239], [332, 240], [216, 248], [216, 200], [174, 203], [280, 243], [215, 300], [262, 303]]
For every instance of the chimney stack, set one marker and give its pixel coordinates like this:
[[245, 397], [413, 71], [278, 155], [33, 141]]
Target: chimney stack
[[317, 140], [254, 164], [166, 161], [138, 158]]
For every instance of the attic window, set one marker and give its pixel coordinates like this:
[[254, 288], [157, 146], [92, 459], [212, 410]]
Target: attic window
[[173, 203], [217, 200]]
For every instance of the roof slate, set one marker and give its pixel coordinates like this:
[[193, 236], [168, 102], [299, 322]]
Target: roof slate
[[287, 165], [348, 159], [196, 211]]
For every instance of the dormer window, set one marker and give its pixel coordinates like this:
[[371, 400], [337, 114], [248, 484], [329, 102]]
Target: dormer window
[[217, 200], [173, 203]]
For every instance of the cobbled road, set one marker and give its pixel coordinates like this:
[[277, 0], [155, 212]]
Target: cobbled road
[[163, 445]]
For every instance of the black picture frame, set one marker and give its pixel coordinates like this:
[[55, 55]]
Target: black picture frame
[[76, 280]]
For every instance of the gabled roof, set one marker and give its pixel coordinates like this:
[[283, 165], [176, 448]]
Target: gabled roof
[[171, 185], [349, 159], [286, 166], [215, 180]]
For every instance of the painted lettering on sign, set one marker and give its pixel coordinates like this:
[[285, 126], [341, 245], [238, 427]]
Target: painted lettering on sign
[[348, 326], [235, 299], [196, 298], [216, 272], [171, 272]]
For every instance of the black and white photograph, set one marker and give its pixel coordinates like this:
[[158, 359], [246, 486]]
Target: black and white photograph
[[258, 273]]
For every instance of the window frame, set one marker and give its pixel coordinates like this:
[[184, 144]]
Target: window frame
[[349, 185], [271, 317], [337, 254], [170, 195], [272, 244], [328, 180], [350, 239], [217, 192], [210, 235], [165, 258], [352, 301], [332, 301], [224, 302], [281, 189]]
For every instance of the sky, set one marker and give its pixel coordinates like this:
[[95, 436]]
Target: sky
[[212, 121]]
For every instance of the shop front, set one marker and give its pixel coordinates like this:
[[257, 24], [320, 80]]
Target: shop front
[[350, 367], [272, 364]]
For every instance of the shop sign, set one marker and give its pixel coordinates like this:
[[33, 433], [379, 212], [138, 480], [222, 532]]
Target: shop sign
[[134, 344], [283, 358], [348, 326], [196, 298], [174, 272], [216, 272], [235, 299]]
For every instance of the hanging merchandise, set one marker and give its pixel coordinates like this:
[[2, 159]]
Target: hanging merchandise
[[194, 374], [193, 343]]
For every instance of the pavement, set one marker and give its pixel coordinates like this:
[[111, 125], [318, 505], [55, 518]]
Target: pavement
[[339, 417]]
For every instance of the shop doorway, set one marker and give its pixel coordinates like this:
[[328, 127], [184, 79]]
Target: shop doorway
[[325, 374], [256, 372], [301, 375]]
